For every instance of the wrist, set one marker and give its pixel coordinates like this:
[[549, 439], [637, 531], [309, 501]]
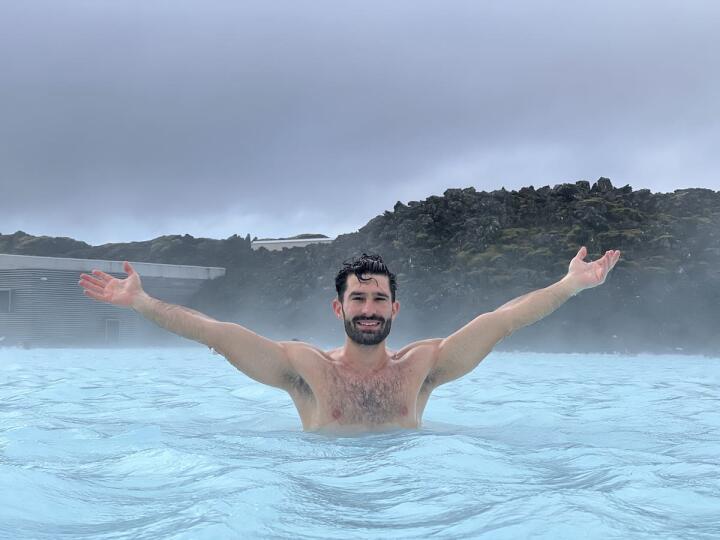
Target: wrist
[[140, 301], [571, 285]]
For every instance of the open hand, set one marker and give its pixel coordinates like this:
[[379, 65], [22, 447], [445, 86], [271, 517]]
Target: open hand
[[106, 288], [591, 274]]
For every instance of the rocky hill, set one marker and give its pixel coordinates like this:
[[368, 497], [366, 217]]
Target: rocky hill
[[468, 252]]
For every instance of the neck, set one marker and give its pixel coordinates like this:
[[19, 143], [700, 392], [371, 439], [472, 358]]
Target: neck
[[365, 358]]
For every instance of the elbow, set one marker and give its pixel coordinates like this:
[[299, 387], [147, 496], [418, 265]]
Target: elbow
[[212, 336], [506, 323]]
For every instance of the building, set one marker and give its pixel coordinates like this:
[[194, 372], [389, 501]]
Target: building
[[41, 303], [283, 243]]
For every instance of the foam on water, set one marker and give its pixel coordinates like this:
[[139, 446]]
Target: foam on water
[[178, 444]]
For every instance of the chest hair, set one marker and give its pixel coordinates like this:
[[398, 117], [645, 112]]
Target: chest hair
[[367, 400]]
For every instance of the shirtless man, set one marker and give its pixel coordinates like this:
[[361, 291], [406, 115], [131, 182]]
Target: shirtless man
[[360, 386]]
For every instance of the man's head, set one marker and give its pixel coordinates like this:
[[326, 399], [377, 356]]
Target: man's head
[[366, 299]]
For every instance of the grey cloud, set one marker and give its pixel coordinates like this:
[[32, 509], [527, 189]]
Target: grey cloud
[[307, 115]]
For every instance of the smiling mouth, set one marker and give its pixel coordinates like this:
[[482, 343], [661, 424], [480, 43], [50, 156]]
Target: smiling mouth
[[368, 324]]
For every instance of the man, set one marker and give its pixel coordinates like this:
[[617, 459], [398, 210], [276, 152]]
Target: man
[[361, 385]]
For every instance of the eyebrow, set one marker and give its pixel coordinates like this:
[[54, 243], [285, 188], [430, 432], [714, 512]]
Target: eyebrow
[[358, 294]]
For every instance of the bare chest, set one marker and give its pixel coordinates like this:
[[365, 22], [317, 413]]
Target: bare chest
[[386, 398]]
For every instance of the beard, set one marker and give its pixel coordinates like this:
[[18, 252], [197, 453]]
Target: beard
[[367, 337]]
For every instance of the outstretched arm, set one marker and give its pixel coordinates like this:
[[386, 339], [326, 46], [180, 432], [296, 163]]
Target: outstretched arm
[[461, 352], [264, 360]]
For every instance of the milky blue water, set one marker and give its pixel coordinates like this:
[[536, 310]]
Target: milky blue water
[[175, 443]]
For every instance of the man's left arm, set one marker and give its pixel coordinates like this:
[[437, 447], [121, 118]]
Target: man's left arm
[[461, 352]]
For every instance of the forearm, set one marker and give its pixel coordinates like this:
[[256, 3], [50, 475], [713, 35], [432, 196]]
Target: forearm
[[179, 320], [532, 307]]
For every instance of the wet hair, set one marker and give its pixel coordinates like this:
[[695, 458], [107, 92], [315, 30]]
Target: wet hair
[[360, 266]]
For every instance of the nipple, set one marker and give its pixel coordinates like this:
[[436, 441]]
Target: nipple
[[336, 414]]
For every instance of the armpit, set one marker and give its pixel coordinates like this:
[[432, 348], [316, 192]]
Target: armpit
[[297, 384], [430, 382]]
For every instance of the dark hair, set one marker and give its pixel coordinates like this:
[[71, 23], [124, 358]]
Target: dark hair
[[363, 265]]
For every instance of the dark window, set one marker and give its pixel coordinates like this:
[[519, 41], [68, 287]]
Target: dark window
[[5, 301]]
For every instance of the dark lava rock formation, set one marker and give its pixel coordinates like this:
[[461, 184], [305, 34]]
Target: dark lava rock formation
[[468, 252]]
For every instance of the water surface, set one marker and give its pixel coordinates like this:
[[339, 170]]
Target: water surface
[[176, 443]]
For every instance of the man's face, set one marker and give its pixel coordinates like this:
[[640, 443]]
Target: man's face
[[367, 309]]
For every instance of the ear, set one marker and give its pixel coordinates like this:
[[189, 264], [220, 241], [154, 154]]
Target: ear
[[337, 308], [395, 308]]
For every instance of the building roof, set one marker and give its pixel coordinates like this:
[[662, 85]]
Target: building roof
[[315, 240], [278, 244], [27, 262]]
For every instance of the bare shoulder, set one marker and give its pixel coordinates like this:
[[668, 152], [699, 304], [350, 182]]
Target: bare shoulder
[[420, 355], [301, 351], [425, 348], [306, 358], [420, 358]]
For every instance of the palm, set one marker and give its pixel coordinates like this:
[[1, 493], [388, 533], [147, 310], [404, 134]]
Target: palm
[[106, 288], [592, 274], [121, 291]]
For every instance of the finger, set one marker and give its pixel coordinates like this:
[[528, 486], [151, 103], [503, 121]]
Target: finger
[[91, 287], [607, 258], [90, 279], [612, 259], [102, 275], [94, 296], [601, 261], [84, 282], [603, 265]]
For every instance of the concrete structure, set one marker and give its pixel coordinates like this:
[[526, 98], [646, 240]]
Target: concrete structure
[[277, 245], [41, 303]]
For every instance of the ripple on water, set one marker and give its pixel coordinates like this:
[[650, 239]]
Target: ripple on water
[[174, 444]]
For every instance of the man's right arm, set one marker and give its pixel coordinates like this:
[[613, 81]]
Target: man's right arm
[[262, 359]]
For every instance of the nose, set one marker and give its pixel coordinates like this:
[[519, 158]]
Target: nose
[[367, 309]]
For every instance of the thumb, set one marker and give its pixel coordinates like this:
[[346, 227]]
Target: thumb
[[128, 268], [582, 253]]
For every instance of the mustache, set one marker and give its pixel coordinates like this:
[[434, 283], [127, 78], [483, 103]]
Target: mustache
[[379, 319]]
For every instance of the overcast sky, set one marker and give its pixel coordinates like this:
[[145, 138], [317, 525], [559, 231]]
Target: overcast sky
[[124, 120]]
